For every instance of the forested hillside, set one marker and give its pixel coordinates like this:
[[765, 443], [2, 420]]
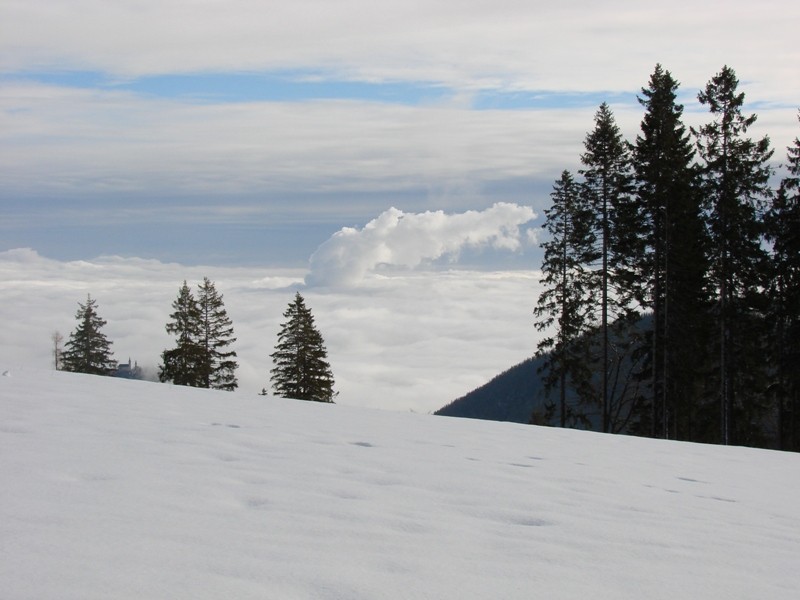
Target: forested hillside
[[693, 227], [511, 396]]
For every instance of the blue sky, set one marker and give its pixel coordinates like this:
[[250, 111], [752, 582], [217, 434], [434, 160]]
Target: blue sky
[[300, 86], [239, 133]]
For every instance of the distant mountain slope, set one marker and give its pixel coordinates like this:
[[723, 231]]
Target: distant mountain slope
[[511, 396], [515, 393]]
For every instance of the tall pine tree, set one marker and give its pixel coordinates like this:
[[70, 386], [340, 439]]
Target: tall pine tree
[[735, 185], [783, 229], [186, 363], [204, 331], [674, 266], [565, 303], [88, 350], [301, 367], [608, 186], [218, 370]]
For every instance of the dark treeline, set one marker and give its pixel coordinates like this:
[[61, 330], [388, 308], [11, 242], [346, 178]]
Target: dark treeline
[[672, 279]]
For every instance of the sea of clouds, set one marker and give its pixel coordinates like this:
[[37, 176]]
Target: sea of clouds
[[403, 330]]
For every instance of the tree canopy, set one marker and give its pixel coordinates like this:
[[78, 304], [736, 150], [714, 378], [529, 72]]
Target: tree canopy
[[690, 295], [301, 367], [88, 350], [204, 332]]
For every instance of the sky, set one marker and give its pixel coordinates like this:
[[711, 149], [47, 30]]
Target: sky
[[243, 132], [136, 490]]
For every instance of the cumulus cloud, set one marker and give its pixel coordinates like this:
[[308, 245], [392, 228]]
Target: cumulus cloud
[[407, 240]]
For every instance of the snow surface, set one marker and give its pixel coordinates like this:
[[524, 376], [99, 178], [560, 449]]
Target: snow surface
[[125, 489]]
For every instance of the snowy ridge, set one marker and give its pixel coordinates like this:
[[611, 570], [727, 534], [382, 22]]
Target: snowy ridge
[[124, 489]]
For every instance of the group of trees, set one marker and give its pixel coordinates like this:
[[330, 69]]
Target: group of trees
[[202, 356], [672, 278]]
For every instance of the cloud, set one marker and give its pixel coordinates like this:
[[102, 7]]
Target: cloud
[[60, 142], [80, 144], [479, 44], [408, 340], [407, 240]]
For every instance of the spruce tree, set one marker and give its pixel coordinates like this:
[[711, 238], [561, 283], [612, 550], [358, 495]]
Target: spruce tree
[[735, 185], [608, 183], [783, 230], [218, 368], [301, 368], [184, 364], [566, 300], [88, 350], [674, 266]]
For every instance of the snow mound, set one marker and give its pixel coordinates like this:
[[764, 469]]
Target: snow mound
[[124, 489]]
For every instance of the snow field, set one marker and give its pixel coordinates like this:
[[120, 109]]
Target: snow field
[[124, 489]]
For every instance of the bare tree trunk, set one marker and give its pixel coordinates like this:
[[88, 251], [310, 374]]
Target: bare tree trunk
[[57, 338]]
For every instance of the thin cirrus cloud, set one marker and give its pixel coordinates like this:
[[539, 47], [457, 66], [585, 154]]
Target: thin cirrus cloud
[[398, 239]]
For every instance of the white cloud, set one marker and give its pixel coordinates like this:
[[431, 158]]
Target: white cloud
[[67, 143], [408, 240], [574, 45], [411, 340]]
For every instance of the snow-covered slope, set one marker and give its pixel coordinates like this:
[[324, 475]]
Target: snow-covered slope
[[120, 489]]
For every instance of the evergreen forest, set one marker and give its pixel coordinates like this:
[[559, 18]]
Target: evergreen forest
[[671, 272]]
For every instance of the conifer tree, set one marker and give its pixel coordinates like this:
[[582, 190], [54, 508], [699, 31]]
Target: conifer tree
[[674, 266], [566, 301], [186, 363], [218, 369], [608, 182], [783, 229], [735, 186], [88, 350], [301, 368], [204, 331]]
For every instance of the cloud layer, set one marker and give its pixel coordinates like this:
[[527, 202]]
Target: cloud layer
[[399, 239], [98, 143], [576, 45], [77, 143], [412, 340]]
